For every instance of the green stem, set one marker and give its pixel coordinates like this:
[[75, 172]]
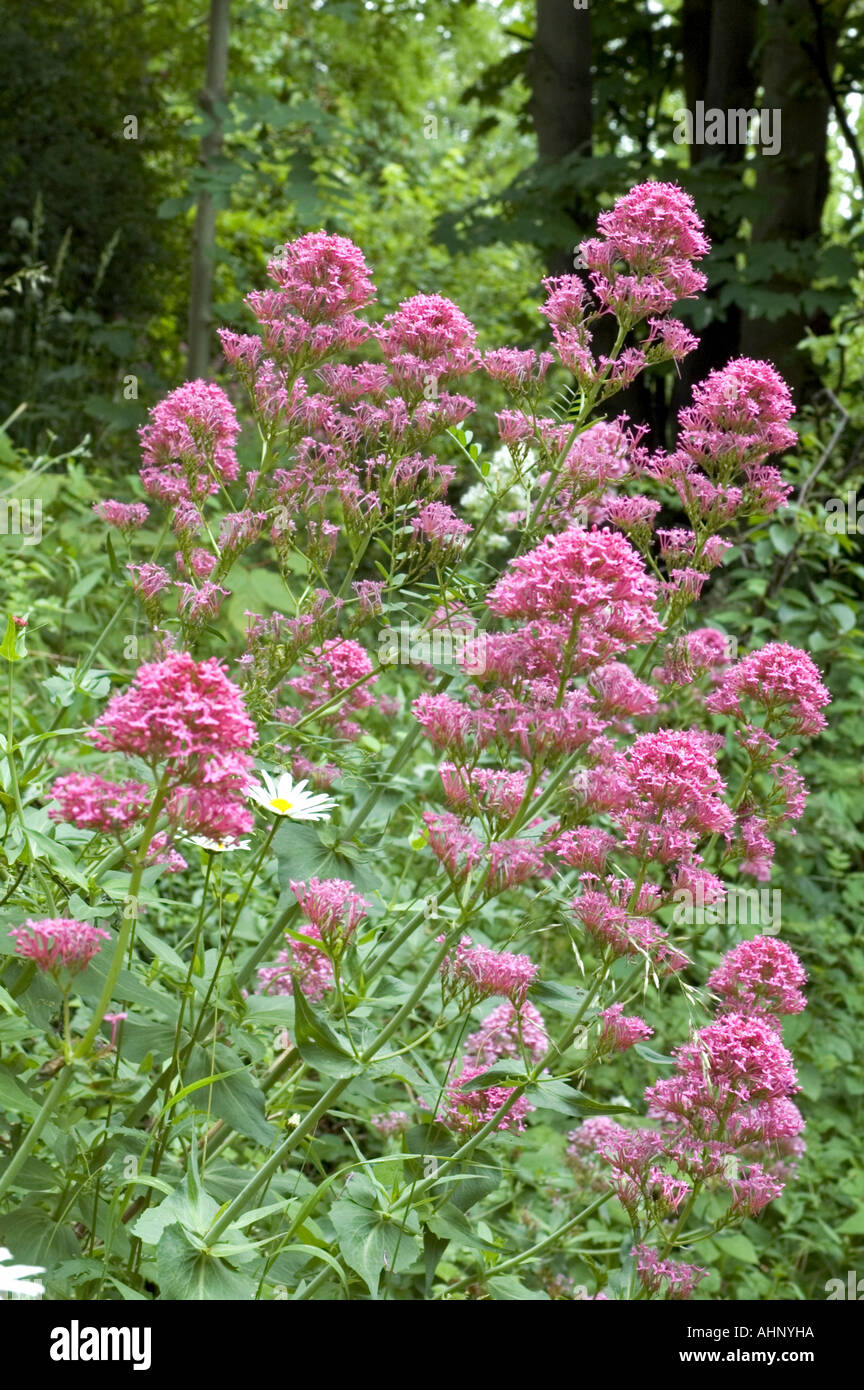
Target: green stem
[[126, 924], [535, 1250], [588, 402], [29, 1141], [264, 1174], [555, 1051], [16, 792]]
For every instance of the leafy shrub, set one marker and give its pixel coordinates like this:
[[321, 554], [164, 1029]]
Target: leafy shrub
[[255, 926]]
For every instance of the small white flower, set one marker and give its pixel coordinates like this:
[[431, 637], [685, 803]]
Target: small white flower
[[14, 1278], [219, 846], [289, 798]]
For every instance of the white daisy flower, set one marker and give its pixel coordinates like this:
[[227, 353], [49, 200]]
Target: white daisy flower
[[14, 1279], [289, 798], [218, 846]]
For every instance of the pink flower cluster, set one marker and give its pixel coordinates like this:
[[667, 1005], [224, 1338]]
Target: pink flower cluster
[[497, 793], [735, 1062], [321, 280], [440, 530], [302, 959], [738, 417], [639, 266], [618, 1032], [178, 711], [724, 1116], [478, 972], [780, 682], [428, 339], [126, 516], [763, 976], [352, 438], [188, 446], [680, 1279], [187, 721], [337, 673], [657, 233], [94, 804], [781, 686], [395, 1122], [334, 909], [577, 576], [321, 277], [506, 863], [663, 796], [508, 1032], [614, 914], [705, 651], [58, 945], [674, 794], [737, 420]]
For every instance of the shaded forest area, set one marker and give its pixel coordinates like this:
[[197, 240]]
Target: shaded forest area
[[464, 141]]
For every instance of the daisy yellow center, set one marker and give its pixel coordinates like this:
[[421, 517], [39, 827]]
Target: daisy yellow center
[[280, 804]]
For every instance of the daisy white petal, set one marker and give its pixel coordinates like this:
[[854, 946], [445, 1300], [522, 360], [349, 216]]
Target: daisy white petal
[[291, 799], [14, 1279], [218, 846]]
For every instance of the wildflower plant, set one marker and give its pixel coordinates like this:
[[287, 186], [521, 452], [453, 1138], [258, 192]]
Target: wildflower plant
[[392, 918]]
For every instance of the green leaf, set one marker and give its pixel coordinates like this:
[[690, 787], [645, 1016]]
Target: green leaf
[[312, 1252], [271, 1010], [507, 1287], [14, 644], [651, 1056], [58, 855], [8, 453], [14, 1097], [142, 1038], [738, 1246], [161, 950], [499, 1074], [235, 1096], [433, 1251], [188, 1205], [316, 1041], [188, 1273], [556, 1095], [451, 1224], [8, 1003], [301, 855], [370, 1241], [843, 615], [172, 207], [35, 1238], [854, 1224], [131, 989], [472, 1185], [782, 538], [564, 999]]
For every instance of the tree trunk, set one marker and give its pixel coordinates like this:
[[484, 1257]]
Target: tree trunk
[[729, 78], [695, 47], [201, 287], [559, 72], [718, 40], [793, 184]]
